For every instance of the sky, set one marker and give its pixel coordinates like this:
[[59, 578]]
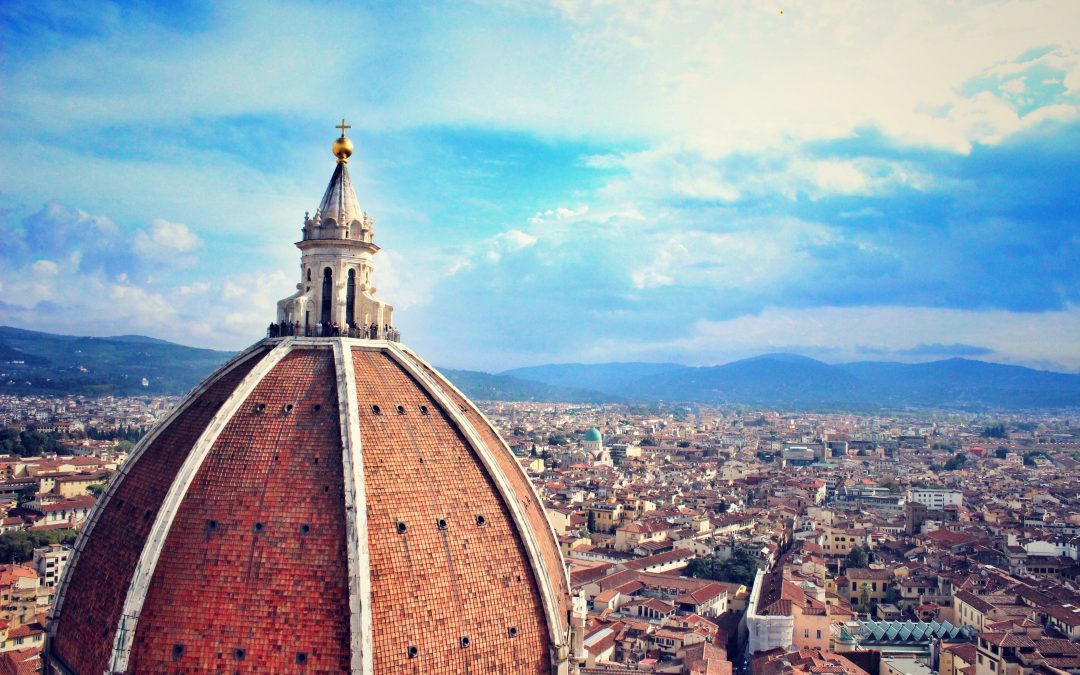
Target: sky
[[565, 181]]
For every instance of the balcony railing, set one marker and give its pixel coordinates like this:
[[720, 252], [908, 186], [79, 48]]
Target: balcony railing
[[372, 332]]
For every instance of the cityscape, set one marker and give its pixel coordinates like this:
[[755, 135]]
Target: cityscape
[[681, 338], [753, 540]]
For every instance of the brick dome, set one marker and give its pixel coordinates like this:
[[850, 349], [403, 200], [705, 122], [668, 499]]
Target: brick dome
[[317, 505]]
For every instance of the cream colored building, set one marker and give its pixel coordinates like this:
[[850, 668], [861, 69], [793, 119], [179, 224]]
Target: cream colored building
[[335, 265]]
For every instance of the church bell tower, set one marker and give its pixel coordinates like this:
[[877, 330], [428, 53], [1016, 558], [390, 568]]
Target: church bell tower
[[335, 294]]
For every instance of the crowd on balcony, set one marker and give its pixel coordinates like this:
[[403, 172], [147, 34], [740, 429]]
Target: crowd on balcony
[[333, 329]]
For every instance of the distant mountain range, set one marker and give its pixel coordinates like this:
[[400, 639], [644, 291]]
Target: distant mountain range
[[487, 387], [34, 362], [790, 380]]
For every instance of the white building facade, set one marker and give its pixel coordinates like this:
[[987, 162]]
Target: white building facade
[[936, 499]]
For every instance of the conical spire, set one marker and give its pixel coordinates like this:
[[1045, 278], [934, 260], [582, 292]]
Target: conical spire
[[339, 202], [335, 295]]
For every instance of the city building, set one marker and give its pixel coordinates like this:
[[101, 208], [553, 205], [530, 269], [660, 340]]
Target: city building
[[936, 499], [50, 562]]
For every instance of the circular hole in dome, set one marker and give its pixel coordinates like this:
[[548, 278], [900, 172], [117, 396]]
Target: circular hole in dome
[[480, 520], [258, 527], [402, 528], [259, 407], [288, 408], [465, 642], [401, 410], [412, 651], [239, 654], [301, 658], [305, 528], [441, 522], [211, 524], [519, 578], [326, 488], [177, 651], [512, 631], [423, 410], [376, 409], [318, 407]]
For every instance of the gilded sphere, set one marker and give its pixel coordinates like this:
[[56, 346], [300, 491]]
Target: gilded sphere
[[342, 148]]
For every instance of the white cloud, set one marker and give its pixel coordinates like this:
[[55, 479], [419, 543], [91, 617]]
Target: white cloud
[[139, 307], [559, 213], [511, 241], [650, 279], [847, 333], [166, 243], [46, 268], [713, 76], [66, 297], [515, 240], [194, 288]]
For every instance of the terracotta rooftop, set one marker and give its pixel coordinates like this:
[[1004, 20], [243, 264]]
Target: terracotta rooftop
[[232, 538]]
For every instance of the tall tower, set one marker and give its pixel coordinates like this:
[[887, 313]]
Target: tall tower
[[337, 247]]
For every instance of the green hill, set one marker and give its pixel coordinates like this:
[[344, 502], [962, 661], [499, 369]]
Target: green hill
[[487, 387], [41, 363]]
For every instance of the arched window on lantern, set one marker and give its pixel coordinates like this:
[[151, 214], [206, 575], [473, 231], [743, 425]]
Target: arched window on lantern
[[327, 293], [350, 297]]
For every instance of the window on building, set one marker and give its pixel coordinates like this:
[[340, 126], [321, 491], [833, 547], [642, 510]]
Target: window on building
[[350, 297], [327, 292]]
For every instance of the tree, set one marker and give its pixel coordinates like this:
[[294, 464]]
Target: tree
[[740, 568], [857, 558], [648, 442], [591, 521], [995, 431], [19, 545], [27, 493], [28, 442], [124, 445], [96, 489], [1001, 452], [955, 462], [890, 484], [1029, 457]]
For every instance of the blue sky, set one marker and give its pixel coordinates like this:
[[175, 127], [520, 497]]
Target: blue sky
[[573, 181]]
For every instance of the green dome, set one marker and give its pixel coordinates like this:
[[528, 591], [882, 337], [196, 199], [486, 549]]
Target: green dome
[[593, 434]]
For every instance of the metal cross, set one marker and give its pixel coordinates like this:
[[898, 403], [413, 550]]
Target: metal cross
[[343, 126]]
